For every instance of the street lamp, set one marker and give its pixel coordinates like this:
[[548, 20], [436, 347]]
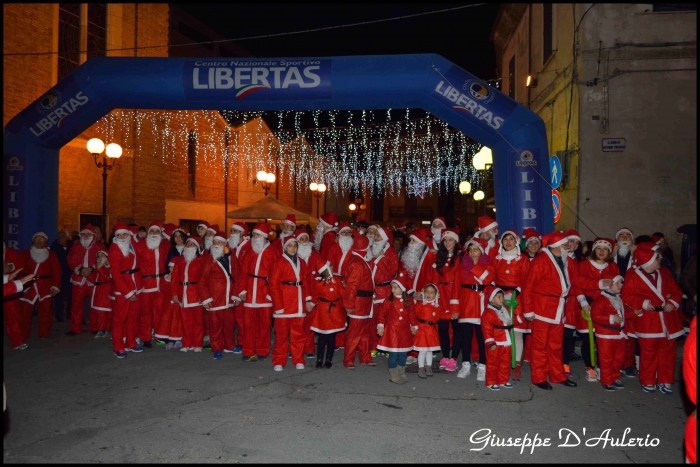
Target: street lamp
[[317, 189], [479, 195], [267, 179], [465, 187], [95, 146], [483, 160]]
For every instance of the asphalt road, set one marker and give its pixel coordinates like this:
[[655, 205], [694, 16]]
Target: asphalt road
[[71, 400]]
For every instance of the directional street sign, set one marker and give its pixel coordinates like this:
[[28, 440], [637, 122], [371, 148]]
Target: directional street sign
[[556, 205], [555, 172]]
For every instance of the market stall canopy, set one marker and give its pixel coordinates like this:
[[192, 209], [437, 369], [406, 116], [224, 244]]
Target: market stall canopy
[[270, 208]]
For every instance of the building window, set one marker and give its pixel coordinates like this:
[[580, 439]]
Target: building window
[[191, 160], [68, 38], [97, 30], [547, 33], [511, 78]]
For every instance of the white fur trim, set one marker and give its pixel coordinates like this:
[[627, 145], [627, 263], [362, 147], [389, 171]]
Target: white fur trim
[[399, 284], [260, 232], [559, 243], [623, 230], [417, 239], [489, 227], [451, 235], [120, 231], [325, 266], [650, 262]]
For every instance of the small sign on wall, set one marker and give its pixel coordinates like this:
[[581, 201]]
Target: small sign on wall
[[614, 144]]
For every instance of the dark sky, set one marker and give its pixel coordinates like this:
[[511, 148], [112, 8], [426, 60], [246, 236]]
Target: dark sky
[[461, 36]]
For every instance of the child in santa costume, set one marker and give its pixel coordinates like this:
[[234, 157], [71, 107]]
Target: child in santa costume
[[496, 324], [426, 339], [102, 298], [655, 298], [608, 315], [446, 267], [185, 277], [169, 328], [396, 325], [328, 316]]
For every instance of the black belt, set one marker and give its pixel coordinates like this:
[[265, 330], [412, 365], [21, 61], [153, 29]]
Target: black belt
[[338, 275], [188, 283], [506, 288], [258, 277], [153, 276], [498, 326], [445, 283], [365, 293], [131, 271], [476, 287], [101, 283], [382, 284], [291, 283], [425, 322], [332, 303], [607, 326], [656, 308], [43, 277]]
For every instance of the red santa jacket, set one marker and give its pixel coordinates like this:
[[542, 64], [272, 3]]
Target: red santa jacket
[[586, 284], [510, 272], [216, 286], [492, 251], [492, 322], [47, 275], [603, 310], [79, 257], [314, 277], [338, 258], [445, 283], [384, 269], [397, 319], [359, 288], [640, 290], [102, 293], [327, 241], [152, 264], [254, 277], [329, 316], [289, 287], [467, 296], [425, 274], [125, 272], [12, 288], [545, 289], [186, 279]]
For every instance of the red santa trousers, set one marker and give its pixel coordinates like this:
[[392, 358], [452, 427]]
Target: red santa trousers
[[340, 338], [357, 340], [611, 359], [309, 343], [92, 319], [13, 322], [170, 324], [76, 308], [657, 360], [498, 365], [220, 329], [151, 312], [192, 326], [257, 336], [45, 317], [691, 440], [125, 323], [103, 320], [629, 361], [547, 356], [289, 332]]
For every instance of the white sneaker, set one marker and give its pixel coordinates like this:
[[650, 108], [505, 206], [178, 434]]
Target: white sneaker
[[21, 347], [138, 342], [184, 349], [465, 370], [198, 350], [178, 345], [597, 373], [300, 366], [481, 374], [99, 335], [278, 368], [410, 360]]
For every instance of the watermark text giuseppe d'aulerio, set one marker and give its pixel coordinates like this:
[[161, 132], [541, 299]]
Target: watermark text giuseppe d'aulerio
[[484, 438]]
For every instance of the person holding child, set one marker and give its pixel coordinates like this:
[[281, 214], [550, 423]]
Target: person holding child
[[496, 325]]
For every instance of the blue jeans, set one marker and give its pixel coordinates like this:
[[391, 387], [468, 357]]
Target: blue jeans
[[397, 358]]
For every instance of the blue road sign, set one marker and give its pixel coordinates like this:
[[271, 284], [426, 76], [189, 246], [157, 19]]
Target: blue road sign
[[555, 172]]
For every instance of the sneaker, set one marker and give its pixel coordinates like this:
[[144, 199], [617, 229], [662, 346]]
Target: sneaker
[[198, 349], [610, 388], [421, 373], [278, 368], [178, 345], [147, 345], [261, 358], [411, 360], [238, 349], [229, 351], [121, 354], [465, 370], [451, 365], [567, 371], [253, 358], [99, 335], [218, 355], [184, 349], [494, 387], [590, 375], [21, 347], [618, 384], [649, 389], [373, 353], [310, 356], [443, 362], [665, 389], [159, 343], [507, 386], [136, 349], [481, 374], [206, 345], [628, 372], [300, 366], [169, 346]]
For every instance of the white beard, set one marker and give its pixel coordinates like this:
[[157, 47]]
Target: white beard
[[87, 243], [371, 240], [411, 258], [179, 248], [304, 250], [377, 248], [208, 242], [318, 238], [123, 245], [345, 243], [436, 234], [189, 253], [368, 256], [217, 252], [233, 240], [39, 255], [258, 244], [624, 248], [153, 241]]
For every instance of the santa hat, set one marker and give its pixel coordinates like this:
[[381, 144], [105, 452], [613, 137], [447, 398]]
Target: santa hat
[[220, 236], [554, 239], [491, 291], [291, 219], [441, 219], [241, 227], [452, 233], [288, 239], [501, 248], [399, 227], [361, 244], [571, 234], [40, 234], [480, 243], [401, 280], [329, 219], [362, 222], [181, 229], [168, 231], [204, 224], [344, 226], [531, 234], [480, 272], [658, 239], [298, 233], [89, 229], [119, 228], [157, 224], [624, 229], [384, 233], [262, 229], [420, 235], [644, 257], [102, 249], [193, 239], [486, 223], [214, 228], [648, 246], [604, 242], [321, 264], [616, 279], [133, 230]]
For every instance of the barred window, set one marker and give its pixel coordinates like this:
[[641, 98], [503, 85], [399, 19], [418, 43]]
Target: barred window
[[68, 38], [97, 30]]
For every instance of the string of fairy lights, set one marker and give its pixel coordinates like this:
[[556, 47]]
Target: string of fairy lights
[[421, 156]]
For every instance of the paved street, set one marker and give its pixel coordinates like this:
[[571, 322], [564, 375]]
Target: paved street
[[71, 400]]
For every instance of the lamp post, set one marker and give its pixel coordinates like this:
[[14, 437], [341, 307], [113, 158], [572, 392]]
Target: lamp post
[[267, 179], [483, 160], [113, 151], [318, 189], [353, 210]]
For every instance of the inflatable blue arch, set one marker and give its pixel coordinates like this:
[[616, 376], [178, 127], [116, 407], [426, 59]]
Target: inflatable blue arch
[[33, 139]]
